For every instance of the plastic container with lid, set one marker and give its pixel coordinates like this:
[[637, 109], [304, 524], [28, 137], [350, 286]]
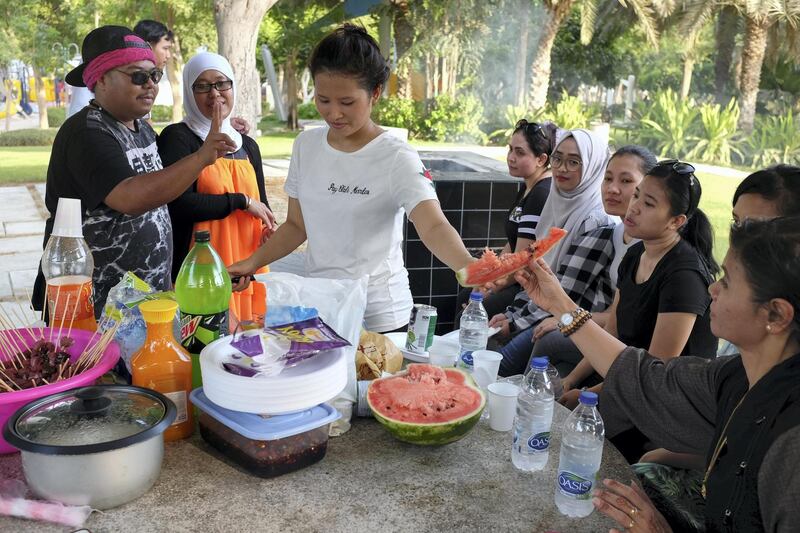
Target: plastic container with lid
[[266, 446]]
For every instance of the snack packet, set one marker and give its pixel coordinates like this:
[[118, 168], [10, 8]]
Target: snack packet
[[272, 349]]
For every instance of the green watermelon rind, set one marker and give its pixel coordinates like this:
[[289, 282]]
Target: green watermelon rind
[[436, 433]]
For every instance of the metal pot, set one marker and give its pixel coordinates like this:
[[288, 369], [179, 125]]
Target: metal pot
[[100, 446]]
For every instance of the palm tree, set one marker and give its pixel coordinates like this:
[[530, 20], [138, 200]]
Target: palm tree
[[556, 11]]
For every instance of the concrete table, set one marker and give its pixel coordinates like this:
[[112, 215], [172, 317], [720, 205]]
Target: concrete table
[[368, 481]]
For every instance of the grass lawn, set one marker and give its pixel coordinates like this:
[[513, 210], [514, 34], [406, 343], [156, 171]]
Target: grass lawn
[[23, 164], [716, 204]]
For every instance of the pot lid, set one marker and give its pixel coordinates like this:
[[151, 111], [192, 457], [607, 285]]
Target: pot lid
[[89, 420]]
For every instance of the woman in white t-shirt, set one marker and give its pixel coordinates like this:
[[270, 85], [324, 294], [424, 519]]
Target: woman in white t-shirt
[[350, 183]]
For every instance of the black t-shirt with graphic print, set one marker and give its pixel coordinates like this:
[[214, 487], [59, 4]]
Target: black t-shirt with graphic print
[[524, 214], [93, 153]]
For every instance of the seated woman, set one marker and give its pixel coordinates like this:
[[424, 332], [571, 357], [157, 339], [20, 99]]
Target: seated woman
[[742, 412], [662, 297], [528, 157], [575, 204], [624, 172], [228, 198]]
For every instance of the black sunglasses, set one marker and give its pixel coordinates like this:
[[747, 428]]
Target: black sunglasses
[[220, 86], [140, 77], [682, 169]]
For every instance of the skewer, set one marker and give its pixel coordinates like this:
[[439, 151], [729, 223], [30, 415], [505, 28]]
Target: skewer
[[33, 311], [24, 320], [72, 319], [53, 313], [61, 323]]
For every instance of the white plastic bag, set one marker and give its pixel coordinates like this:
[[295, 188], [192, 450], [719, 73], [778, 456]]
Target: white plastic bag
[[341, 304]]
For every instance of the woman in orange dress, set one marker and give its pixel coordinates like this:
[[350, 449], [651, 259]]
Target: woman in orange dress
[[228, 199]]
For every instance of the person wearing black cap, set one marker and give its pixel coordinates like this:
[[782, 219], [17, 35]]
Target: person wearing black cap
[[106, 156]]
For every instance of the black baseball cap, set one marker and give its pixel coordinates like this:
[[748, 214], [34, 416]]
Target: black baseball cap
[[105, 39]]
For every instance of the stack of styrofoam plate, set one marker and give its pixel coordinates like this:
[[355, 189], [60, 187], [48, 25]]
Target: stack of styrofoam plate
[[309, 383]]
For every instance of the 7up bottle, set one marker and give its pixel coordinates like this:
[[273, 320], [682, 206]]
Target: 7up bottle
[[203, 291]]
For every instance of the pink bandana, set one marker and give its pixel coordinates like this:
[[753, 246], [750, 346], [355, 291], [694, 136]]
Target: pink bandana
[[136, 49]]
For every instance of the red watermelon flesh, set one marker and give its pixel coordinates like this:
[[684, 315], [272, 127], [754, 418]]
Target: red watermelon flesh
[[491, 267]]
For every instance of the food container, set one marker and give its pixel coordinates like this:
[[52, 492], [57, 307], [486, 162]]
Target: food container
[[11, 401], [266, 446], [100, 446]]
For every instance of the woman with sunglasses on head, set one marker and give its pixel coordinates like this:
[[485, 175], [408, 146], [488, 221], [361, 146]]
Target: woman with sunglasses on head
[[741, 412], [350, 185], [574, 204], [528, 158], [228, 198], [662, 298]]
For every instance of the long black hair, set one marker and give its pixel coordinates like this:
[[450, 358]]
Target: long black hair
[[769, 251], [647, 159], [779, 184], [351, 51], [683, 192], [540, 137]]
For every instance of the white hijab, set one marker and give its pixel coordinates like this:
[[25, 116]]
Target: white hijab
[[569, 210], [194, 119]]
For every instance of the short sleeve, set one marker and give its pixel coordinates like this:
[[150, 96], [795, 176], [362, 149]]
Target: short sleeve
[[531, 212], [411, 182], [292, 178], [98, 163], [683, 291]]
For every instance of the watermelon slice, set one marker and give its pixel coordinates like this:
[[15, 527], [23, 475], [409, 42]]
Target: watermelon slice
[[490, 267]]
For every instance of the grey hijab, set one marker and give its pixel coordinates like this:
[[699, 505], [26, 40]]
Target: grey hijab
[[568, 210]]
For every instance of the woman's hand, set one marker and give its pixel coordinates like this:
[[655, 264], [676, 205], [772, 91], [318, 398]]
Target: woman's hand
[[545, 326], [501, 321], [262, 212], [630, 507], [243, 270], [266, 233], [544, 288], [569, 398], [216, 144], [240, 125]]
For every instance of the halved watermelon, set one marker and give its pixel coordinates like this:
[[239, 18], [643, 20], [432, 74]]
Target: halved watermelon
[[490, 267], [427, 404]]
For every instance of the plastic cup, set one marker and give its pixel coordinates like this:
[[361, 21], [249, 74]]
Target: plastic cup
[[442, 353], [68, 222], [485, 363], [502, 405]]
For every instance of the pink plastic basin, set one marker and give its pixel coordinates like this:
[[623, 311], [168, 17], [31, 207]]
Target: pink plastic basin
[[11, 401]]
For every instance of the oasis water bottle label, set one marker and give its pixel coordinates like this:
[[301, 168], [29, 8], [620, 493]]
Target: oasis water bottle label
[[197, 331], [574, 485], [539, 442], [466, 359]]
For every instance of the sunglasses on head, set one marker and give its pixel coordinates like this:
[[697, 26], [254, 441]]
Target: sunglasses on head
[[140, 77], [525, 125], [682, 169]]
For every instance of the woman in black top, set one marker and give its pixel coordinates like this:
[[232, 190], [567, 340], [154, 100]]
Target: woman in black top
[[528, 158], [742, 412]]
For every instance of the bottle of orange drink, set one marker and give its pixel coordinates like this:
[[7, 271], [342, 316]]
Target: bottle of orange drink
[[163, 365]]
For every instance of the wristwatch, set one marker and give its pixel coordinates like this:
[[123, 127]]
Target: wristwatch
[[567, 319], [572, 322]]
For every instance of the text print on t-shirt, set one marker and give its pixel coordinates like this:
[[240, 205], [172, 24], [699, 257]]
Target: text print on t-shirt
[[347, 189], [144, 160]]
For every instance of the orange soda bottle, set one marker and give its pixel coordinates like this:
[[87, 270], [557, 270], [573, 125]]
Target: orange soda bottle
[[67, 265], [163, 365]]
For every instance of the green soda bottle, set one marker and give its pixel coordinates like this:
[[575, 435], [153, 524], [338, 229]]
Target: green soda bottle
[[203, 292]]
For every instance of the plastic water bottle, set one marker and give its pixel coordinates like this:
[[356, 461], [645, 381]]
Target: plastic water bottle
[[473, 330], [530, 448], [581, 452], [555, 378]]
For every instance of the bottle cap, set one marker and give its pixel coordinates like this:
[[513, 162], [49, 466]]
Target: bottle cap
[[68, 222], [158, 311], [476, 296], [588, 398], [539, 363], [202, 236]]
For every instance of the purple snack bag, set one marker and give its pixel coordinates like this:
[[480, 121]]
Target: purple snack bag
[[307, 337]]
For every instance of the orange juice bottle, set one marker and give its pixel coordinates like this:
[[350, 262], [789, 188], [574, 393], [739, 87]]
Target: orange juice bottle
[[67, 265], [163, 365]]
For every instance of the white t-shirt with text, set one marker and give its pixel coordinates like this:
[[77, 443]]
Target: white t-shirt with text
[[353, 206]]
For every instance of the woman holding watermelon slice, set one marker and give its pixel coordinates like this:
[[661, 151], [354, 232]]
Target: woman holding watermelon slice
[[741, 412], [350, 185]]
